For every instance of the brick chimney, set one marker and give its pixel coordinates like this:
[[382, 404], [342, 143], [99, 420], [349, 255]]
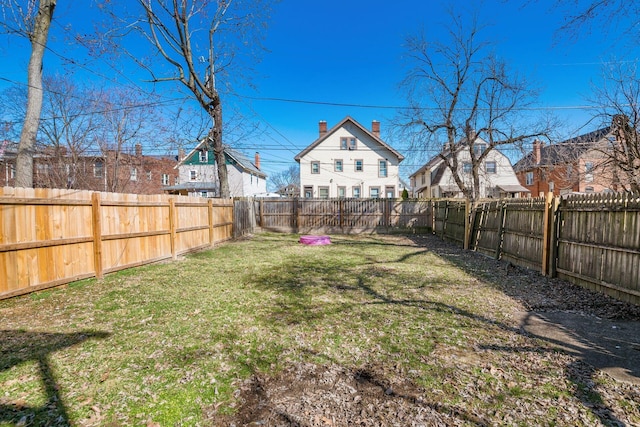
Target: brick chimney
[[537, 145], [322, 128], [138, 150], [257, 161], [375, 128]]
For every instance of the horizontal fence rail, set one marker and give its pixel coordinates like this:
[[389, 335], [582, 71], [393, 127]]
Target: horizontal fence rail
[[52, 237]]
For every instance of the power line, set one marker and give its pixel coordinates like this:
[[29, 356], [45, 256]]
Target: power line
[[398, 107]]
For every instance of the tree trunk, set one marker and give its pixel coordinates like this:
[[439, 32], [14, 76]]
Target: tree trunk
[[38, 38], [215, 135]]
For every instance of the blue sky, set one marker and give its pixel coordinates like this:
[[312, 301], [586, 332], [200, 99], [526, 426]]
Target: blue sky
[[339, 56]]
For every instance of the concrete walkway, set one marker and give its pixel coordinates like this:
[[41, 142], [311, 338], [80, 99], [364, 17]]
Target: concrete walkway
[[609, 346]]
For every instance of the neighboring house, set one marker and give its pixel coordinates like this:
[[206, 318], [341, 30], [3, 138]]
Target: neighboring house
[[198, 174], [8, 152], [497, 178], [119, 172], [291, 190], [577, 165], [349, 161]]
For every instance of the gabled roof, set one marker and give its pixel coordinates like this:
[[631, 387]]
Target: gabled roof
[[338, 126], [563, 152], [240, 159]]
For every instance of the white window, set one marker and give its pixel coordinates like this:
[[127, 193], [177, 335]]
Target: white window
[[193, 175], [315, 167], [337, 165], [374, 192], [148, 175], [342, 192], [382, 168], [204, 157], [490, 167], [98, 169], [12, 171], [133, 174], [466, 167], [359, 165], [348, 143], [165, 179], [479, 149], [356, 192], [588, 171], [323, 192], [529, 178]]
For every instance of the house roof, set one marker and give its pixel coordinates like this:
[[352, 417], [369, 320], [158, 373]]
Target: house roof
[[565, 151], [338, 126], [513, 188], [8, 148], [239, 158], [193, 186]]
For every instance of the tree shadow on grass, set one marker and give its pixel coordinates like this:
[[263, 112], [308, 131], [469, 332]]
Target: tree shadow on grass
[[598, 344], [300, 275], [18, 347]]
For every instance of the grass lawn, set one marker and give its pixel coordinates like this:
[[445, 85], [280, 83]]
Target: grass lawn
[[171, 344]]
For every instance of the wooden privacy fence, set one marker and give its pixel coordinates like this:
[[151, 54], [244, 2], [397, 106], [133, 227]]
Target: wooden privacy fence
[[52, 237], [592, 240], [598, 243], [298, 215]]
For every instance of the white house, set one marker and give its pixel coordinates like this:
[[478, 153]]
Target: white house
[[349, 160], [198, 174], [497, 178]]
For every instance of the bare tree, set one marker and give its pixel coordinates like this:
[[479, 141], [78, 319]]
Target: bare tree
[[618, 101], [605, 15], [124, 125], [459, 91], [285, 178], [68, 127], [33, 21], [200, 41]]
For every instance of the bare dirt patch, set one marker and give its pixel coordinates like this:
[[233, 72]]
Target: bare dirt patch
[[312, 395]]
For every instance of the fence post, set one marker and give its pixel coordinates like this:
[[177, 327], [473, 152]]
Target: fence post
[[210, 212], [502, 214], [172, 226], [556, 223], [96, 213], [467, 224], [298, 203], [261, 213], [547, 227]]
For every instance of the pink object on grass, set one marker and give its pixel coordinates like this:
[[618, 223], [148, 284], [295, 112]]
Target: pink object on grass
[[315, 240]]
